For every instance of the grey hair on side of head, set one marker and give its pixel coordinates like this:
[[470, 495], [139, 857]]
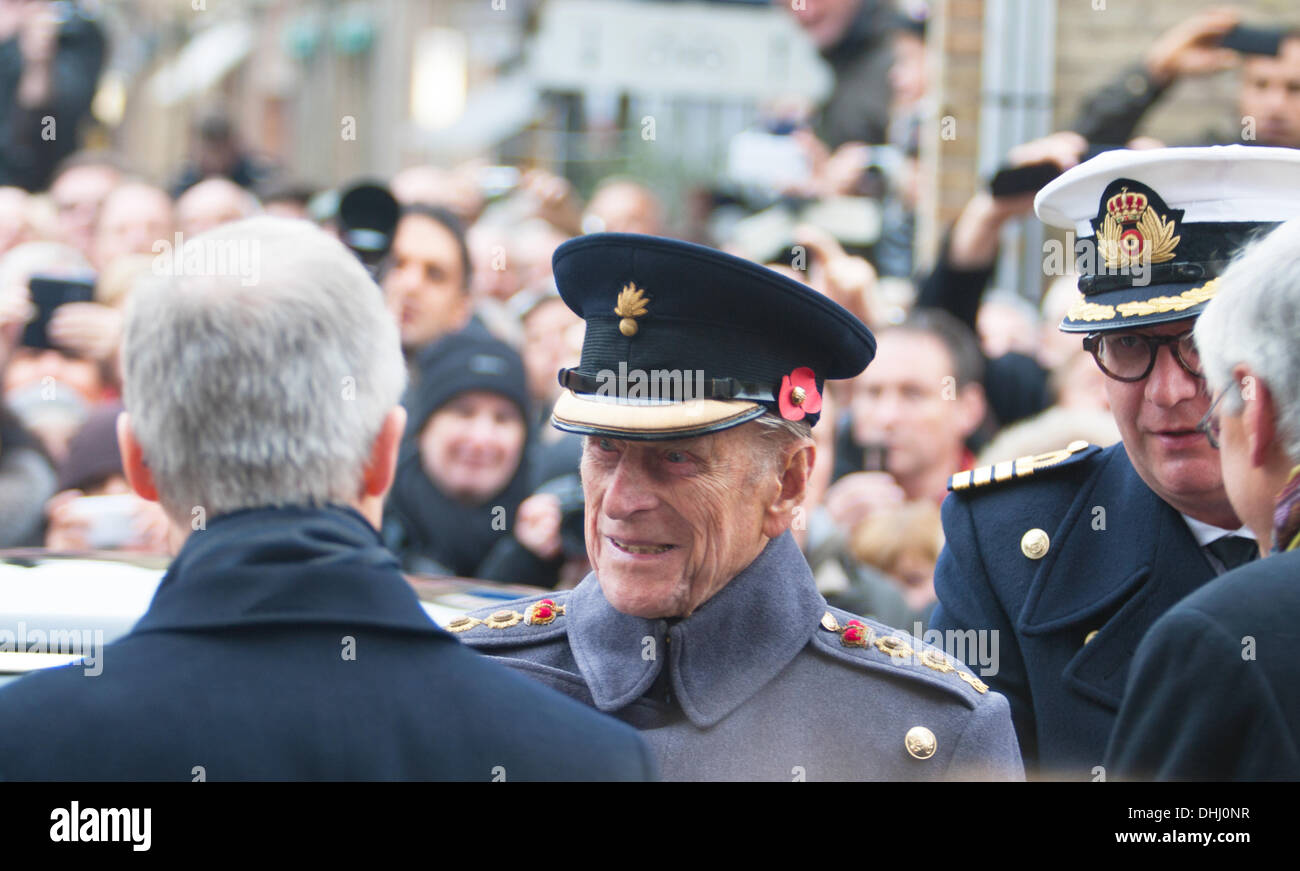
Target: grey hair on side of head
[[1252, 320], [778, 434], [265, 386]]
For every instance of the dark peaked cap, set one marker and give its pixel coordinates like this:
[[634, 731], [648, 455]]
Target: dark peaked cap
[[659, 311]]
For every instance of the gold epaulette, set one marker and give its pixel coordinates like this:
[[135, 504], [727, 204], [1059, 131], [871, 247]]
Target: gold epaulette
[[1011, 469], [540, 613], [899, 649]]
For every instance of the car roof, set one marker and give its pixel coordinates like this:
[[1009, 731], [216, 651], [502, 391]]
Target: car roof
[[107, 592]]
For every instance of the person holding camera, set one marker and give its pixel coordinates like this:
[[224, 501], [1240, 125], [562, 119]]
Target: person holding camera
[[1268, 102]]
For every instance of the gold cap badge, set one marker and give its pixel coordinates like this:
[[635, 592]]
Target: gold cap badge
[[631, 305], [1133, 231]]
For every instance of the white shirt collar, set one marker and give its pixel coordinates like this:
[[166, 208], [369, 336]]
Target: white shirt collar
[[1205, 533]]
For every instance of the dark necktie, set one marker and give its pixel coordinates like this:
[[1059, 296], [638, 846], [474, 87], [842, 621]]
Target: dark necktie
[[1233, 551]]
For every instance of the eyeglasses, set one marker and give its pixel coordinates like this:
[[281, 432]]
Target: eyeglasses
[[1132, 356], [1210, 424]]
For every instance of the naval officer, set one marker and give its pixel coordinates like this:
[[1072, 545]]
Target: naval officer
[[1071, 556], [700, 379]]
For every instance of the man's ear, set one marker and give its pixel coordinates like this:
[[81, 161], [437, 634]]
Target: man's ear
[[1259, 417], [382, 465], [138, 474], [796, 468]]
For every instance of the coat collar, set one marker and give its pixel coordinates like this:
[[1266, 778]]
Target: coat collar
[[719, 657], [290, 565]]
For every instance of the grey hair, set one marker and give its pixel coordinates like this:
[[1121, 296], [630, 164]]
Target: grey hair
[[1252, 320], [264, 381], [777, 434]]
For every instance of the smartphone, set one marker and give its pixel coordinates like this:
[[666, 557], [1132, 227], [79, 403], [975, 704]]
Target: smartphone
[[1012, 180], [1030, 179], [48, 292], [1253, 40], [110, 520]]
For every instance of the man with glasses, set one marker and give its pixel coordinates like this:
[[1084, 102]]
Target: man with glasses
[[1211, 694], [1062, 561]]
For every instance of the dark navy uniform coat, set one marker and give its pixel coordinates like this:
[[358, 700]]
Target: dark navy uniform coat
[[762, 682], [1069, 621], [1214, 692], [285, 645]]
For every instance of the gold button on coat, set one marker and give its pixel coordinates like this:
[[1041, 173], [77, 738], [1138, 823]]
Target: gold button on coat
[[920, 742], [1034, 544], [1091, 635]]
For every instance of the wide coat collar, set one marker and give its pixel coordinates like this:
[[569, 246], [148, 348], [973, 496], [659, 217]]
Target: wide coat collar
[[294, 565], [719, 656]]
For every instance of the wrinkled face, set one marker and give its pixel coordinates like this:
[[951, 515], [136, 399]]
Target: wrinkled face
[[1157, 419], [906, 400], [825, 21], [1270, 94], [670, 523], [425, 286], [471, 447]]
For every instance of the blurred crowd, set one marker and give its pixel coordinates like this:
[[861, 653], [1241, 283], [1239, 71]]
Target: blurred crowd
[[966, 372]]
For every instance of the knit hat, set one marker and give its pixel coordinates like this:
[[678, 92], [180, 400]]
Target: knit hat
[[461, 362]]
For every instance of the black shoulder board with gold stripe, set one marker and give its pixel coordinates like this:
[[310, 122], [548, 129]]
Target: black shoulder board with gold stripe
[[1020, 468]]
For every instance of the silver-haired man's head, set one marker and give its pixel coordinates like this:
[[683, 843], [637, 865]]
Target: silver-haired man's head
[[1251, 358], [280, 391]]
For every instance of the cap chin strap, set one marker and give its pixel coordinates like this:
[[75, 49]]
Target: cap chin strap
[[714, 388], [1155, 274]]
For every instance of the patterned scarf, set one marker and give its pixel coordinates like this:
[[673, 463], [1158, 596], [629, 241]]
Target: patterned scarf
[[1286, 516]]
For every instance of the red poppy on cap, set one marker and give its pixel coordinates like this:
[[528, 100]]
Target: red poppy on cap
[[799, 396]]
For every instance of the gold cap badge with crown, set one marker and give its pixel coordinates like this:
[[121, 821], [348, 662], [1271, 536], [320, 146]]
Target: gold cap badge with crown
[[1132, 231]]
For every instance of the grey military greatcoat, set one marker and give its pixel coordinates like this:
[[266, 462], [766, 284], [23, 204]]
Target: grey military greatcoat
[[762, 682]]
